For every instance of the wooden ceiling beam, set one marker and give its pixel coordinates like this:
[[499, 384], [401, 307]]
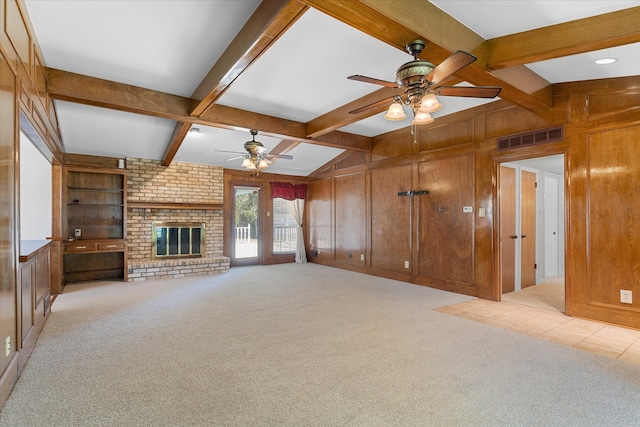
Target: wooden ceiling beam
[[77, 88], [340, 116], [398, 22], [270, 20], [81, 89], [179, 133], [284, 146], [569, 38]]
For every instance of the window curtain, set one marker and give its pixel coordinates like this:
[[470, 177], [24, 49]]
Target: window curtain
[[295, 196], [288, 191]]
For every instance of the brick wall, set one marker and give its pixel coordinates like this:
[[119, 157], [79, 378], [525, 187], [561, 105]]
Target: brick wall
[[148, 181]]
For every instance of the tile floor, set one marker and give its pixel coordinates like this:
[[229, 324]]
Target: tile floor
[[611, 341]]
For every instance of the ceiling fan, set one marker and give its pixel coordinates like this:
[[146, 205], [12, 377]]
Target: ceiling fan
[[420, 81], [256, 156]]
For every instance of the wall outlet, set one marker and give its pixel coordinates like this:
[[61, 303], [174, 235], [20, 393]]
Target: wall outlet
[[78, 232], [361, 257], [406, 264], [7, 346], [626, 296]]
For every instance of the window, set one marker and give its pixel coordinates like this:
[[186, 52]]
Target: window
[[285, 229]]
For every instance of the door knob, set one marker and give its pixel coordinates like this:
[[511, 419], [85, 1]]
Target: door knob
[[523, 236], [514, 236]]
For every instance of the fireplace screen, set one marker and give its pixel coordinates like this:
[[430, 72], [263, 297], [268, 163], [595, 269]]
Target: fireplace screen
[[177, 240]]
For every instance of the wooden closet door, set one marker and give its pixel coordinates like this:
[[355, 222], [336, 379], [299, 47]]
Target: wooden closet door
[[528, 229], [508, 235]]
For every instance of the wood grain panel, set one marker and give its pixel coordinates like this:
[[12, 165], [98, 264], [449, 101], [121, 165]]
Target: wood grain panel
[[612, 103], [513, 120], [614, 215], [528, 229], [319, 220], [40, 79], [448, 135], [390, 219], [353, 159], [507, 229], [445, 232], [16, 30], [350, 218], [393, 144]]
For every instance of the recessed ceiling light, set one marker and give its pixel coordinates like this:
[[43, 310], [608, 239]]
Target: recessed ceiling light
[[605, 61]]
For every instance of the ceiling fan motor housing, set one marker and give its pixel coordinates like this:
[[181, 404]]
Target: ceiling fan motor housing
[[411, 76], [253, 146]]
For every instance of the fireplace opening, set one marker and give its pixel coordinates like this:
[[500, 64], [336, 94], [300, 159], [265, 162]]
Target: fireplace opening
[[177, 240]]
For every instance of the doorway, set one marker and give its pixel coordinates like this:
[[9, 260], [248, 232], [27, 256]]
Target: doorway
[[245, 227], [531, 230]]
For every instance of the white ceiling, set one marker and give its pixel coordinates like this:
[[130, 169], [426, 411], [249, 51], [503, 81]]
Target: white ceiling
[[169, 46]]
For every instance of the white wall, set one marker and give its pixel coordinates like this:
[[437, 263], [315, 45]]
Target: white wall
[[35, 192]]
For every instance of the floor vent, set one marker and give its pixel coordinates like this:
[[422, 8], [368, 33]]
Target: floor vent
[[531, 138]]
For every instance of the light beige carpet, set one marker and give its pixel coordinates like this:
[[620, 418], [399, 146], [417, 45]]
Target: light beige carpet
[[301, 345]]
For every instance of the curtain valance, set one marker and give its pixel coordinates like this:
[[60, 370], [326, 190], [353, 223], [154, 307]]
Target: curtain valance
[[288, 191]]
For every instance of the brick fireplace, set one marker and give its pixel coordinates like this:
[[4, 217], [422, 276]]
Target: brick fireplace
[[181, 193]]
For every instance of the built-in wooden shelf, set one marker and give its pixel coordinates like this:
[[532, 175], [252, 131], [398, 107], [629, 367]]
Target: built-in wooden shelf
[[173, 205]]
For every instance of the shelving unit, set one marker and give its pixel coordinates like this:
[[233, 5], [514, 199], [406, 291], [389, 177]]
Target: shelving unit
[[96, 205]]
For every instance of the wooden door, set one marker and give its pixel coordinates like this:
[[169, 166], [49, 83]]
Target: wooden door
[[527, 229], [551, 226], [508, 234]]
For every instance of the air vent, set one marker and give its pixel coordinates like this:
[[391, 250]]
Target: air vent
[[531, 138]]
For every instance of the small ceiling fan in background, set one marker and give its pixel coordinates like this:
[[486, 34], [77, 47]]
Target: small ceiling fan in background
[[419, 81], [256, 157]]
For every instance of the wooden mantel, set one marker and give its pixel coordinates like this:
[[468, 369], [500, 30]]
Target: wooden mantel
[[174, 205]]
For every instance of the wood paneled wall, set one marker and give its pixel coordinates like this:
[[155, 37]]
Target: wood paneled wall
[[456, 160], [24, 103]]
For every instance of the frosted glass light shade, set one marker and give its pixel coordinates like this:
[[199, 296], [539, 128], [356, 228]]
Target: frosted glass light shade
[[395, 112], [429, 104], [422, 118]]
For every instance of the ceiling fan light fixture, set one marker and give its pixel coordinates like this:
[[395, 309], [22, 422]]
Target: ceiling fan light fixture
[[422, 118], [395, 113], [429, 104]]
